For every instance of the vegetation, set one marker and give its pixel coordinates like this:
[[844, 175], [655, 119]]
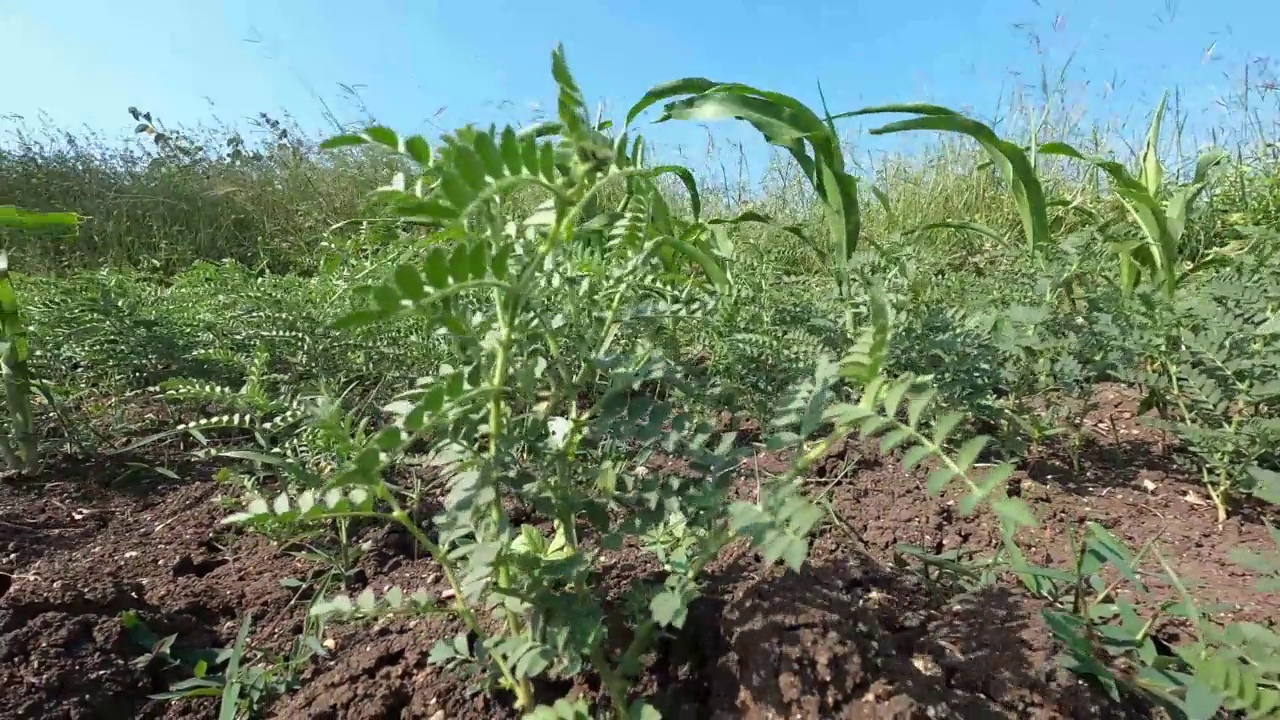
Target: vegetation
[[533, 314]]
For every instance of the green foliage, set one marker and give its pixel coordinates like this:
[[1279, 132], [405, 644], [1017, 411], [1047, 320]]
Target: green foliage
[[1008, 157], [530, 317], [810, 140], [15, 217], [504, 419], [1160, 253], [243, 688], [19, 445], [183, 195], [1266, 566], [1211, 369], [547, 400], [1109, 638]]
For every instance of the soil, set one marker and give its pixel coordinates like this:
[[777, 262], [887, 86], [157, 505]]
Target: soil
[[852, 635]]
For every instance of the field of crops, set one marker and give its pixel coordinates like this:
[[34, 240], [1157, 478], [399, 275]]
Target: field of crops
[[520, 423]]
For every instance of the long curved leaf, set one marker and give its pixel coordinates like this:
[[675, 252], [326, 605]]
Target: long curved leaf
[[544, 129], [1152, 173], [903, 108], [16, 217], [787, 123], [1206, 162], [719, 226], [709, 266], [972, 227], [883, 199], [666, 91], [780, 125], [1118, 173], [1007, 156], [686, 177]]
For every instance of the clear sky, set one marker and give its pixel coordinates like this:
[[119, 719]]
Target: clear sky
[[83, 62]]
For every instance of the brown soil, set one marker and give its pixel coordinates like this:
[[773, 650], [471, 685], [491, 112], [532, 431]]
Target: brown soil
[[851, 636]]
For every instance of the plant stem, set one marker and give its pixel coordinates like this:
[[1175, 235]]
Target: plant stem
[[523, 687], [614, 684], [524, 693]]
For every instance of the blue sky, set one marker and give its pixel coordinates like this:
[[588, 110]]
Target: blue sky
[[415, 64]]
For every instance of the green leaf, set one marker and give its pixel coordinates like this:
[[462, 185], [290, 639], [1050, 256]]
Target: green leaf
[[460, 263], [490, 155], [456, 190], [442, 652], [358, 318], [1152, 173], [387, 298], [409, 282], [1015, 511], [1008, 157], [11, 216], [1207, 162], [511, 150], [915, 455], [346, 140], [422, 210], [547, 162], [437, 268], [968, 453], [893, 439], [498, 263], [938, 479], [686, 177], [1268, 485], [383, 136], [883, 199], [972, 227], [1202, 702], [533, 661], [641, 710], [478, 260], [710, 267], [418, 149], [470, 167], [529, 158], [787, 123], [230, 704], [675, 88], [668, 608], [572, 106]]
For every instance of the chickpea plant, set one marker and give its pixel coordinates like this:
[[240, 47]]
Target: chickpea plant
[[553, 321]]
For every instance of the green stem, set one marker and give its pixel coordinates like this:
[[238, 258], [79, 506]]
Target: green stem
[[506, 312], [639, 642], [498, 381], [614, 684], [611, 327], [1218, 496], [644, 634], [522, 689], [1177, 389]]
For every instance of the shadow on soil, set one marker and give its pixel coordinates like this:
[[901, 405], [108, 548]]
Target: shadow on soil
[[847, 637]]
